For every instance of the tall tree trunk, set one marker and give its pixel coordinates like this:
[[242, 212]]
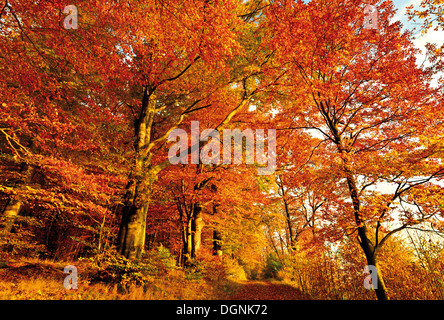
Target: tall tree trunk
[[197, 224], [191, 218], [131, 237], [192, 233], [187, 244], [185, 219], [217, 235], [217, 243], [291, 245]]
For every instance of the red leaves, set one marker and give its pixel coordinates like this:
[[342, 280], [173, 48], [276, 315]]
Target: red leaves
[[359, 126]]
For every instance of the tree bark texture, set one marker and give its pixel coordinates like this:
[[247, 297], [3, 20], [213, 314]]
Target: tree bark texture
[[217, 243], [131, 237], [197, 225]]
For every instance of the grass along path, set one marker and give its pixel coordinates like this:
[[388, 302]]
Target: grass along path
[[37, 279]]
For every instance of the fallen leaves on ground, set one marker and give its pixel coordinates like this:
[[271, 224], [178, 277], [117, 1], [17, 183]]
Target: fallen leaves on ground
[[267, 290]]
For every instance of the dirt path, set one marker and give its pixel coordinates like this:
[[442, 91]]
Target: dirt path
[[266, 290]]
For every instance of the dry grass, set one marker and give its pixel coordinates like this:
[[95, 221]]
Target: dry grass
[[43, 280]]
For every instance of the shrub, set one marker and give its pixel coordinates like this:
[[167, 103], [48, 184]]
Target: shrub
[[161, 259], [113, 268], [272, 266], [234, 269], [206, 266]]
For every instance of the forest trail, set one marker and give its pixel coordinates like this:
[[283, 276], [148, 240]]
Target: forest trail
[[267, 290]]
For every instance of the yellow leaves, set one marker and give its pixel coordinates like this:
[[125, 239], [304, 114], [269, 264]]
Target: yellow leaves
[[251, 69], [423, 14], [6, 189]]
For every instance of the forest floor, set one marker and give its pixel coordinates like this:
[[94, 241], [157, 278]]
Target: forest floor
[[43, 280]]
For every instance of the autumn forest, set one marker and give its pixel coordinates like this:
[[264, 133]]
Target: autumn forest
[[220, 149]]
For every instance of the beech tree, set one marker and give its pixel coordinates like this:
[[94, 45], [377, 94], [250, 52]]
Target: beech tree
[[183, 69], [144, 66], [361, 91], [86, 116], [55, 135]]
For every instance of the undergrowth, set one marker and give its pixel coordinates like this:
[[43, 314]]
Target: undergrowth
[[112, 277]]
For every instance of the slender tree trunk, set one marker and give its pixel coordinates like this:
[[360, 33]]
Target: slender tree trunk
[[186, 213], [193, 225], [364, 241], [291, 245], [217, 243], [197, 224], [187, 244], [217, 236], [192, 233]]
